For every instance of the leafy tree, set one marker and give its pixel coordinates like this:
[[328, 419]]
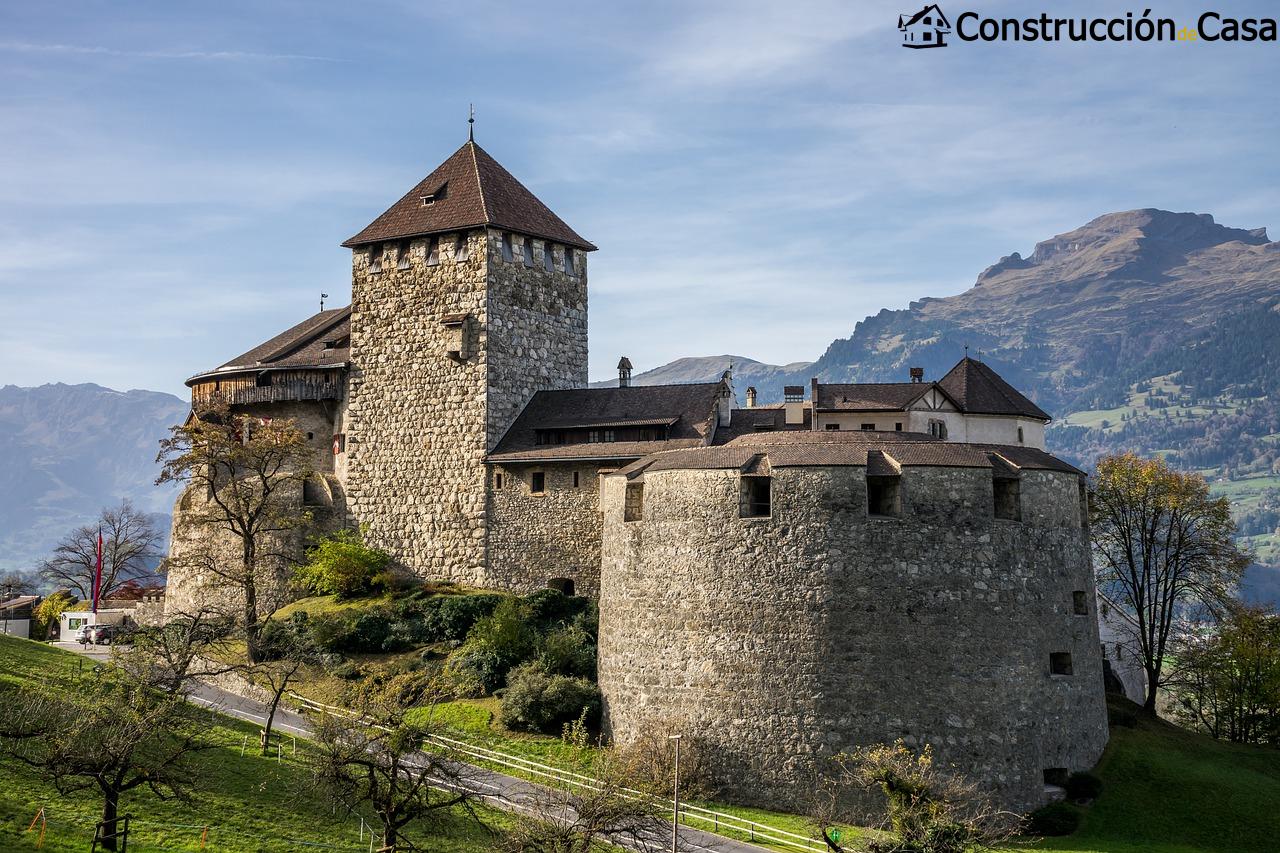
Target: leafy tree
[[1163, 546], [49, 611], [343, 565], [252, 472], [1227, 681], [109, 732], [130, 547]]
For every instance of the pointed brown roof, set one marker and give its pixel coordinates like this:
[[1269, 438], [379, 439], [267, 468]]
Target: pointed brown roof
[[980, 390], [469, 190]]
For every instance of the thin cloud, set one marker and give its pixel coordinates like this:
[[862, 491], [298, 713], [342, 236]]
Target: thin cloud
[[206, 55]]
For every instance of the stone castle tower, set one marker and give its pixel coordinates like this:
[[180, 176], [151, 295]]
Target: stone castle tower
[[468, 296]]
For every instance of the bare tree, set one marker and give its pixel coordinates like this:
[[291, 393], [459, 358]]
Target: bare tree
[[1164, 547], [625, 807], [250, 473], [185, 648], [15, 582], [377, 758], [130, 546], [287, 650], [107, 732]]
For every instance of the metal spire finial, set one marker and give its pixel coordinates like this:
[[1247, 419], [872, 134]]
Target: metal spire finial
[[323, 297], [471, 125]]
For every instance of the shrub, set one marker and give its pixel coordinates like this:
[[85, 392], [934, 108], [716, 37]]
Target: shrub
[[507, 631], [537, 702], [1083, 786], [551, 606], [1055, 819], [343, 565], [473, 671], [568, 650], [450, 617]]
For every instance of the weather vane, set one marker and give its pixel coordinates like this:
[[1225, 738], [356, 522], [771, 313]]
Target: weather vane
[[323, 297], [471, 124]]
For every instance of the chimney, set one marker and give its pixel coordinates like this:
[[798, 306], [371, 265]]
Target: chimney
[[917, 374], [624, 372], [751, 397], [793, 404]]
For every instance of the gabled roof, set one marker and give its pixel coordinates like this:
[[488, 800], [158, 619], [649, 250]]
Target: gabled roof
[[979, 390], [468, 190], [688, 409], [321, 340], [932, 8], [870, 396]]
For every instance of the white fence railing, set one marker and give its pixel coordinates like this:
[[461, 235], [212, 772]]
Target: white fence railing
[[712, 821]]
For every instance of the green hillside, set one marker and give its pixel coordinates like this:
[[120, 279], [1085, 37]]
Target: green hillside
[[250, 804]]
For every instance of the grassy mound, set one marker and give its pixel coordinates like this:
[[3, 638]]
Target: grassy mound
[[1168, 790], [248, 803]]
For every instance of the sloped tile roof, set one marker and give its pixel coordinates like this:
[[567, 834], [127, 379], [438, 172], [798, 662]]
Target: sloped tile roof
[[688, 409], [871, 396], [980, 390], [468, 190], [305, 345]]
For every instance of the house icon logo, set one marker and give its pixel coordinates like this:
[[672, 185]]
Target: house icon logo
[[926, 28]]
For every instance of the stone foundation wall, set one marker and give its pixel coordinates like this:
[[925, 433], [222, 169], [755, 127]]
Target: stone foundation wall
[[787, 639], [536, 537]]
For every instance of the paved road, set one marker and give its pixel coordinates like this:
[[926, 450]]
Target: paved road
[[506, 792]]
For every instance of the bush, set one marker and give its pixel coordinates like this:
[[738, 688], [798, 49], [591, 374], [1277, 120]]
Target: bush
[[450, 617], [1083, 786], [342, 565], [568, 650], [538, 702], [507, 631], [1055, 819], [473, 671], [549, 607]]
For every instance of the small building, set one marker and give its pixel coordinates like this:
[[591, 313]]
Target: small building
[[71, 621], [16, 615], [926, 28]]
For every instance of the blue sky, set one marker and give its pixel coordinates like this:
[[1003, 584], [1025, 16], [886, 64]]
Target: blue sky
[[175, 178]]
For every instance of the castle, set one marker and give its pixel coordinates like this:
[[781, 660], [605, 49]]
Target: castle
[[861, 563]]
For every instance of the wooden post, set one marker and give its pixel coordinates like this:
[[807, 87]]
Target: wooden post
[[204, 836]]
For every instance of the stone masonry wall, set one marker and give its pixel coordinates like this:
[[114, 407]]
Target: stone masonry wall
[[536, 537], [419, 421], [787, 639], [189, 587]]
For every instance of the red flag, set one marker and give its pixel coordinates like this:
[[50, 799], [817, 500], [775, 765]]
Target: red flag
[[97, 577]]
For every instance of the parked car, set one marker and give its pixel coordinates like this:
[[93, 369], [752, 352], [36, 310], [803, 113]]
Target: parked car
[[83, 635], [103, 635]]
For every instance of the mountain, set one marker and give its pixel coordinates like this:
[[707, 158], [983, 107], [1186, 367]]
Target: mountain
[[72, 450], [1142, 330], [709, 368]]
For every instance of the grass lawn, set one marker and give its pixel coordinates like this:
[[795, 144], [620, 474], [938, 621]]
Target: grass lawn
[[249, 803], [1173, 791]]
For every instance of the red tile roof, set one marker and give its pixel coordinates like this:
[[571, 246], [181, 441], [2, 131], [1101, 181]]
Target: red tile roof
[[468, 190]]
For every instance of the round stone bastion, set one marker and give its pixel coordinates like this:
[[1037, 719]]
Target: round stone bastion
[[787, 597]]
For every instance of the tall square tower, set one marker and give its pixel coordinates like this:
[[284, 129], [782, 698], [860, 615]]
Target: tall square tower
[[468, 295]]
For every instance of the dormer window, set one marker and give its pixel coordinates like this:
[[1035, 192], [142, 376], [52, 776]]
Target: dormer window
[[402, 256], [433, 251], [375, 259], [508, 247], [568, 262], [548, 258], [431, 198], [528, 252], [461, 250]]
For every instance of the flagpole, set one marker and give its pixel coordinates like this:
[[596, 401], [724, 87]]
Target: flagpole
[[97, 577]]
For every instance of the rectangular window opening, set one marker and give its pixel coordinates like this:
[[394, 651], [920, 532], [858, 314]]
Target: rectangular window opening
[[1007, 492], [375, 259], [538, 482], [575, 479], [868, 427], [508, 247], [897, 427], [833, 427], [528, 252], [884, 496], [548, 258], [1060, 663], [433, 252], [633, 506], [402, 256], [1080, 603], [497, 480], [568, 261], [756, 497], [461, 250]]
